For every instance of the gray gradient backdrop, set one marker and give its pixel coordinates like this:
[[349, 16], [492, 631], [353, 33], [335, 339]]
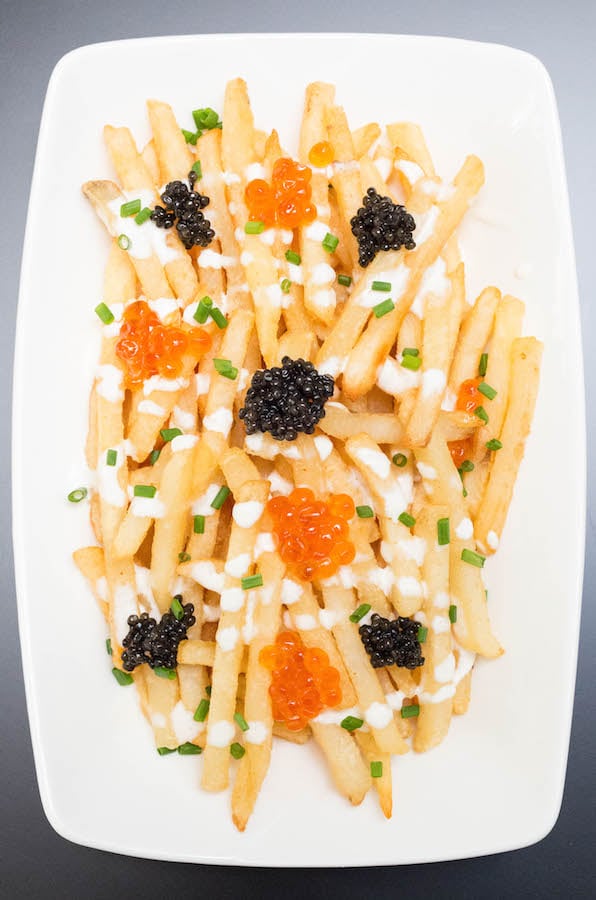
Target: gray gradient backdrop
[[34, 34]]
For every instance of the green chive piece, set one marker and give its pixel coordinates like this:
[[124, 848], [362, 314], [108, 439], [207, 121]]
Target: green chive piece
[[144, 490], [475, 559], [486, 595], [162, 672], [191, 137], [77, 495], [351, 723], [376, 769], [225, 368], [184, 557], [153, 457], [111, 457], [201, 313], [188, 749], [411, 711], [330, 242], [293, 257], [251, 581], [130, 209], [208, 690], [487, 390], [443, 532], [410, 351], [467, 465], [105, 313], [285, 286], [381, 286], [220, 498], [381, 309], [482, 414], [411, 362], [360, 612], [237, 750], [254, 227], [198, 524], [201, 711], [406, 519], [163, 751], [123, 678], [483, 364], [219, 318], [400, 460], [422, 634], [241, 721], [345, 280], [109, 646], [494, 444], [124, 242], [464, 492], [206, 119], [143, 215], [168, 434], [364, 512], [197, 169], [176, 607], [453, 614]]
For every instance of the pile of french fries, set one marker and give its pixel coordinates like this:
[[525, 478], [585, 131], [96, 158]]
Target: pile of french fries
[[149, 551]]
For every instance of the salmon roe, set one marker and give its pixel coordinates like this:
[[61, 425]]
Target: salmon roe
[[469, 397], [147, 347], [302, 684], [321, 154], [460, 450], [287, 201], [313, 535]]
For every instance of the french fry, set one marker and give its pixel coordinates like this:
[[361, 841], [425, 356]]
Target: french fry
[[473, 337], [364, 137], [346, 178], [382, 783], [350, 774], [339, 422]]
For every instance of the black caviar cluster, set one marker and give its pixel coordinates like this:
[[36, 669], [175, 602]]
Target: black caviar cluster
[[183, 206], [390, 642], [286, 400], [155, 643], [381, 224]]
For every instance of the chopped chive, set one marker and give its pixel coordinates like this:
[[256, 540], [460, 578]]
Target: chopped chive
[[345, 280], [77, 495], [482, 414], [494, 444], [109, 646], [198, 524], [163, 751], [144, 490], [285, 286], [254, 227], [196, 168], [483, 364], [464, 492], [422, 634], [168, 434], [453, 614], [163, 672], [220, 498], [487, 390], [111, 457], [406, 519], [191, 137], [201, 313], [376, 769], [201, 711], [364, 512], [124, 242], [251, 581], [131, 208], [411, 711], [381, 309], [208, 690], [219, 318], [400, 460], [176, 607], [189, 749], [467, 465], [475, 559], [360, 612], [153, 457], [293, 257], [411, 362], [410, 351], [486, 595], [443, 532], [237, 750], [381, 286], [184, 557], [241, 721], [330, 242], [123, 678], [351, 723], [143, 215], [206, 118], [105, 313], [225, 368]]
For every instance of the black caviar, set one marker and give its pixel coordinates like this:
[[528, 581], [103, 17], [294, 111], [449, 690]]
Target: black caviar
[[286, 400], [390, 642], [183, 206], [155, 643], [381, 224]]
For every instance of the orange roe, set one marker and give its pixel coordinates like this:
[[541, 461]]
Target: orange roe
[[321, 154], [469, 397], [313, 535], [287, 201], [302, 684], [147, 347], [460, 450]]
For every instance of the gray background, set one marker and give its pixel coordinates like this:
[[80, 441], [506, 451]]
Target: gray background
[[33, 36]]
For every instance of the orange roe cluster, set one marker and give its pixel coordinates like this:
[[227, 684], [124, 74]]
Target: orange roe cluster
[[321, 154], [469, 397], [287, 201], [460, 450], [313, 535], [147, 347], [302, 684]]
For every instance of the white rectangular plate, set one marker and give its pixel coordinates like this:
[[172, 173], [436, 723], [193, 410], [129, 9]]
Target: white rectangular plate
[[496, 782]]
